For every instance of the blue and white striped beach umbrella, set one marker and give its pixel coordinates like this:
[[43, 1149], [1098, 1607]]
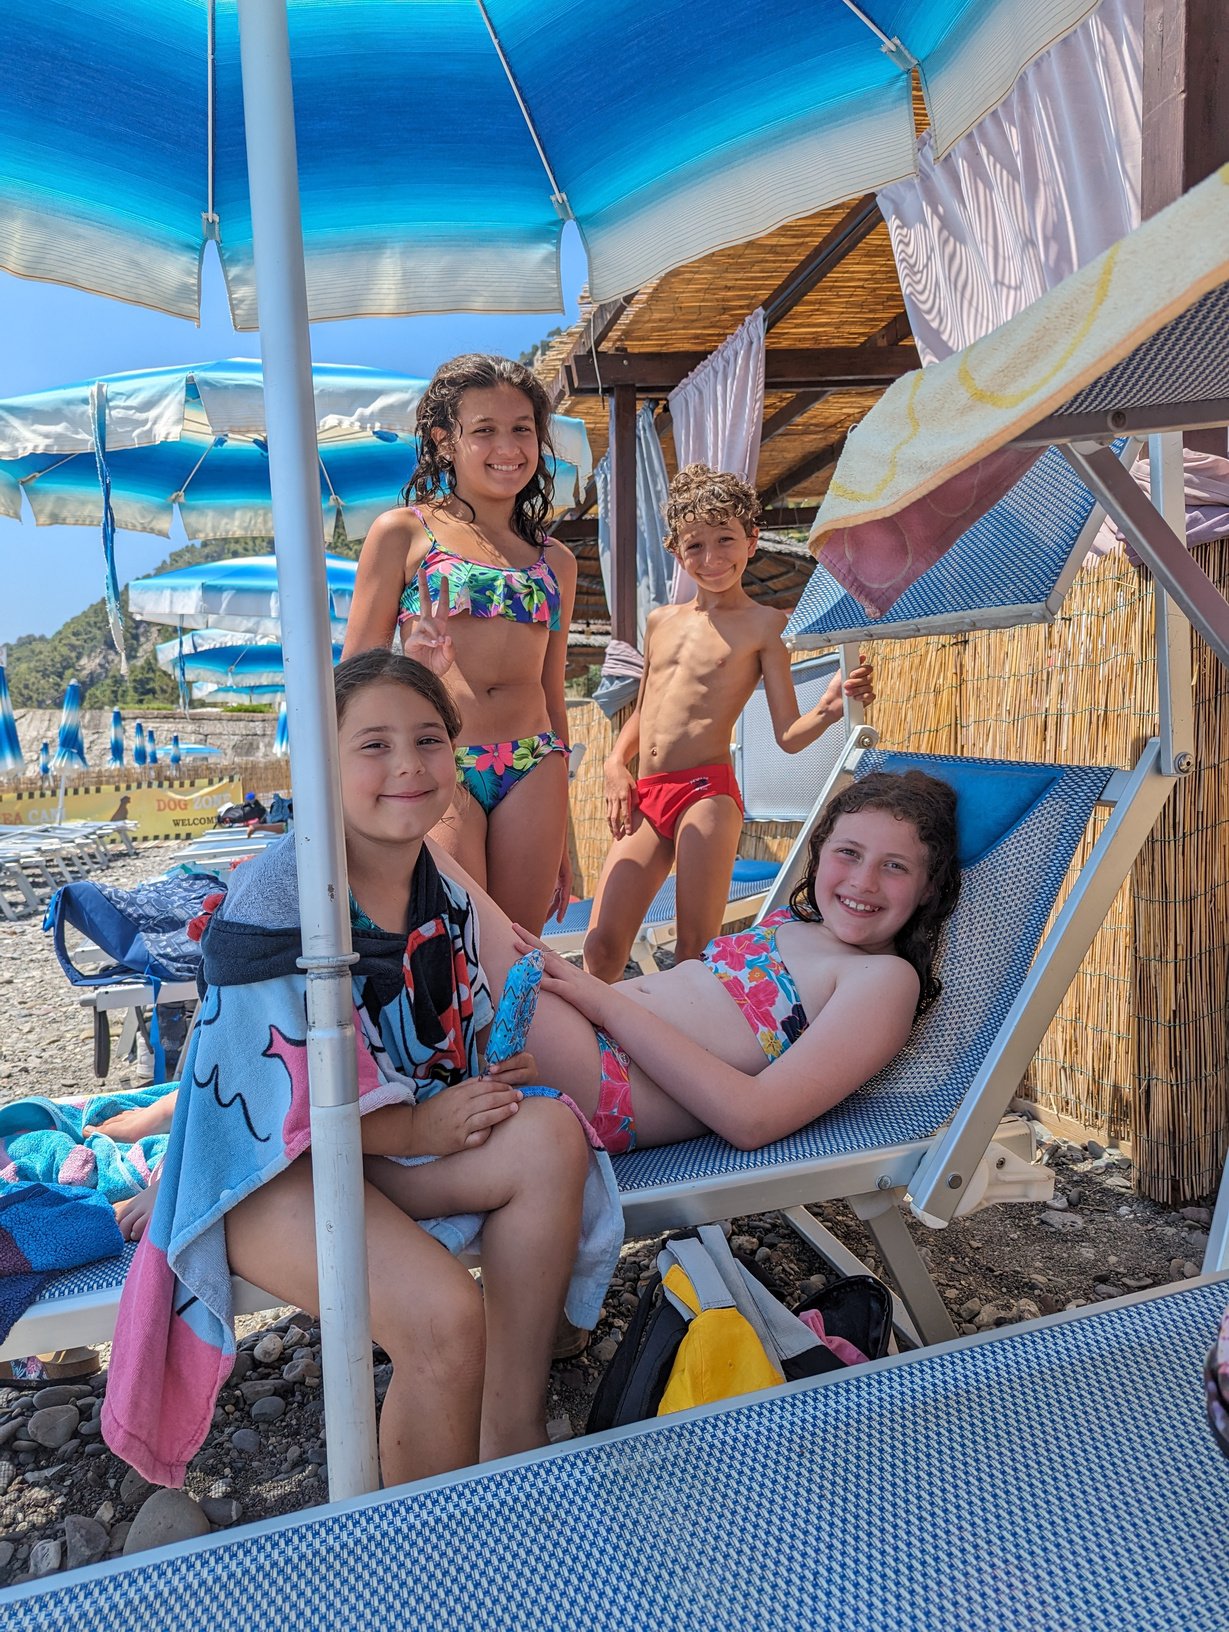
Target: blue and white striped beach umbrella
[[44, 760], [176, 755], [209, 658], [281, 742], [117, 738], [11, 756], [140, 756], [70, 750], [151, 747]]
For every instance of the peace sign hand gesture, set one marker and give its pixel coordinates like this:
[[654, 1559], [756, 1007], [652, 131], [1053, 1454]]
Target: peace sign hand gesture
[[427, 640]]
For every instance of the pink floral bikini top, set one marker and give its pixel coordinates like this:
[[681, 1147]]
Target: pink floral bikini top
[[751, 969], [524, 594]]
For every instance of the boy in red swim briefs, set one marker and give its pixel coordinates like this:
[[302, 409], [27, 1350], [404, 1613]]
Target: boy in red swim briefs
[[702, 661]]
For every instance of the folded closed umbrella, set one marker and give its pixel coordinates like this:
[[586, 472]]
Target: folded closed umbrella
[[176, 756], [117, 738], [11, 756], [44, 760], [140, 754], [70, 749], [281, 742]]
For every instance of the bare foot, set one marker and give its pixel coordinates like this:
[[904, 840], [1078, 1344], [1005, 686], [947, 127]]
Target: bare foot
[[126, 1127]]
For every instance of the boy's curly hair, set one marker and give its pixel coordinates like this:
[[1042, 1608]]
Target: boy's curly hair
[[432, 479], [699, 493]]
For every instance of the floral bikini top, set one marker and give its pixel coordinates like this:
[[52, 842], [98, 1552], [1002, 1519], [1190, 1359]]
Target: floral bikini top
[[750, 968], [524, 594]]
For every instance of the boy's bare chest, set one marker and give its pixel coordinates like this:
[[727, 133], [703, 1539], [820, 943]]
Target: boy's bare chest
[[707, 651]]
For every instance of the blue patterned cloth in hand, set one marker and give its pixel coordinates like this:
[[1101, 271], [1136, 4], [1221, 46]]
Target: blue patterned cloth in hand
[[514, 1016]]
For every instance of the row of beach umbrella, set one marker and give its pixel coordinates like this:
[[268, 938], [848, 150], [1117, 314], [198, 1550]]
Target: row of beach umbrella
[[70, 747]]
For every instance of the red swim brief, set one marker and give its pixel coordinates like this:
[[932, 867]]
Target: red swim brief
[[663, 798]]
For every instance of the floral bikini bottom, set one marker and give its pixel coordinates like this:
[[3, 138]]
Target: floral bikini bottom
[[490, 770]]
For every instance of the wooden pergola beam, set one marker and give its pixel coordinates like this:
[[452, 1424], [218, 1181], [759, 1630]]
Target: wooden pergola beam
[[829, 368], [1185, 117], [814, 464], [855, 225]]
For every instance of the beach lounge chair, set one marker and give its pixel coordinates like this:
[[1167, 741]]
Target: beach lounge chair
[[1057, 1474]]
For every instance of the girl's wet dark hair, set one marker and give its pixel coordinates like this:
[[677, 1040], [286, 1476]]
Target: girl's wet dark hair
[[930, 805], [379, 667], [433, 474]]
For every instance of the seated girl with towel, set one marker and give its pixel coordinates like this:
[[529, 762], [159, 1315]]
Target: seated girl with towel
[[456, 1153]]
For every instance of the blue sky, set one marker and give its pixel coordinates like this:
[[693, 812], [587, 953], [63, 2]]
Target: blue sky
[[54, 336]]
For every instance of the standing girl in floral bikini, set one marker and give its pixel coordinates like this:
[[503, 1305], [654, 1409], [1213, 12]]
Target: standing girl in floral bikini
[[484, 599]]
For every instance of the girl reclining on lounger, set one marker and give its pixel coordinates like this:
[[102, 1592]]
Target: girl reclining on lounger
[[774, 1026], [453, 1150]]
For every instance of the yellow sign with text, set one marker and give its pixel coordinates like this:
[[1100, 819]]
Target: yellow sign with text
[[175, 811]]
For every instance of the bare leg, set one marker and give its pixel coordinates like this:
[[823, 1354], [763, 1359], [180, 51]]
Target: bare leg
[[525, 834], [706, 842], [462, 831], [635, 869], [426, 1313], [564, 1044], [528, 1179]]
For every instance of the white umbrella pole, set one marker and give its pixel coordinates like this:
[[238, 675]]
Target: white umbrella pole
[[345, 1312]]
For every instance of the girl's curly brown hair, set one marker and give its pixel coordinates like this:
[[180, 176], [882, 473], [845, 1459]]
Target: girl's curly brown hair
[[433, 478], [699, 493], [930, 805]]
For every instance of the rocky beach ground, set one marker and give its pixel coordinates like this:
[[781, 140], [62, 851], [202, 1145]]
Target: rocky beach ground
[[66, 1500]]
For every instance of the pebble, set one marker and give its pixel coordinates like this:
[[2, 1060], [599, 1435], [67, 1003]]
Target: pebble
[[10, 1430], [6, 1554], [222, 1510], [257, 1389], [45, 1557], [86, 1540], [558, 1429], [166, 1516], [605, 1351], [134, 1489], [246, 1440], [119, 1535], [294, 1338], [269, 1349], [244, 1361], [45, 1476], [268, 1409], [1196, 1215], [308, 1371], [1058, 1203], [54, 1425], [1062, 1221], [61, 1394]]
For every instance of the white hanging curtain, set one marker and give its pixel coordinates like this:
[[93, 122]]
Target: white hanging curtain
[[624, 664], [718, 414], [1037, 188]]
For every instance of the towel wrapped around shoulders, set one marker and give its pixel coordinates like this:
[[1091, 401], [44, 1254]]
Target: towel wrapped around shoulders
[[243, 1115]]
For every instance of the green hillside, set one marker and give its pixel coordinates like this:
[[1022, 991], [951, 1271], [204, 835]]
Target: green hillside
[[40, 666]]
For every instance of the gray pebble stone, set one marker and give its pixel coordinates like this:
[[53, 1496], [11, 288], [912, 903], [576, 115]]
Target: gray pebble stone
[[45, 1476], [246, 1440], [91, 1428], [293, 1337], [258, 1389], [244, 1361], [10, 1430], [85, 1539], [268, 1410], [119, 1535], [1062, 1221], [23, 1447], [59, 1394], [166, 1516], [308, 1371], [46, 1557], [133, 1490], [1096, 1150], [269, 1349], [96, 1448], [6, 1554], [222, 1510], [54, 1425], [557, 1429], [106, 1512], [605, 1351], [1197, 1215]]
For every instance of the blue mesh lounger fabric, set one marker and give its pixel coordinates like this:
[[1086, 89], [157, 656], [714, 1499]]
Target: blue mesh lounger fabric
[[1010, 557], [985, 959], [1058, 1477]]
